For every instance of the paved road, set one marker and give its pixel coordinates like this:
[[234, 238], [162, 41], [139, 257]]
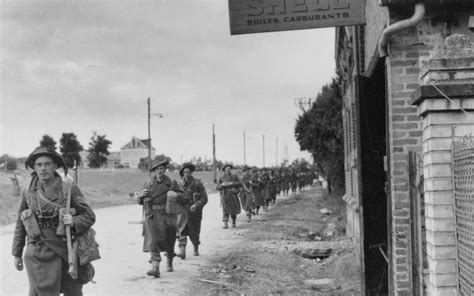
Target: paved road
[[121, 271]]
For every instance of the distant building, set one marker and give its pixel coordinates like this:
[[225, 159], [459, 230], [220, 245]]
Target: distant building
[[131, 153], [113, 159]]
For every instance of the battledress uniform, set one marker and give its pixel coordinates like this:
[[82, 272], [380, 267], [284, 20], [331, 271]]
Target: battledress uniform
[[245, 194], [46, 255], [189, 222], [228, 186], [159, 227], [257, 191]]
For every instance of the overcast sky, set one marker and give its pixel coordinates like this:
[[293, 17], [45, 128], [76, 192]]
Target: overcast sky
[[84, 66]]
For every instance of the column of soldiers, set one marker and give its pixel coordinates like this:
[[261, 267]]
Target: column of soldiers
[[171, 210], [257, 189]]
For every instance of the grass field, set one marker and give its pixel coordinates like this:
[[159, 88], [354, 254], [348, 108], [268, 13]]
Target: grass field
[[102, 188]]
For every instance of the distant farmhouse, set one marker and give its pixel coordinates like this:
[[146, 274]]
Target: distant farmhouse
[[113, 160], [131, 153], [128, 156]]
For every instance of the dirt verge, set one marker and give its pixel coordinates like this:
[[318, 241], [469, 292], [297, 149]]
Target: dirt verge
[[268, 260]]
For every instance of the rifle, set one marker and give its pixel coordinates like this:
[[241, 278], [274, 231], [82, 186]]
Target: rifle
[[71, 247]]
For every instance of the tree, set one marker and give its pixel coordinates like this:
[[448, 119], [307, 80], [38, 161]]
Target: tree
[[98, 150], [319, 131], [301, 165], [70, 148], [48, 141]]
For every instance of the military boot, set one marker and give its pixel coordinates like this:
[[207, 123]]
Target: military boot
[[226, 225], [196, 251], [233, 223], [169, 262], [182, 252], [249, 218], [155, 269]]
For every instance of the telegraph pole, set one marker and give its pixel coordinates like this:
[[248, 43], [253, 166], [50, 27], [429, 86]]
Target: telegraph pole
[[245, 153], [149, 137], [214, 154], [263, 146], [276, 154], [160, 115]]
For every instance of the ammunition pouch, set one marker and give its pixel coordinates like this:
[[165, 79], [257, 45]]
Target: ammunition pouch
[[31, 224], [87, 247], [172, 206]]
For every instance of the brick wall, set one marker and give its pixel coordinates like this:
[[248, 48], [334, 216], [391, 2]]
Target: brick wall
[[410, 51], [404, 136], [442, 123]]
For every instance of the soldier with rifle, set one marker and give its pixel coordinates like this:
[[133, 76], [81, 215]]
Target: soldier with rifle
[[50, 260], [228, 186], [285, 182], [256, 186], [162, 201], [245, 194], [189, 221]]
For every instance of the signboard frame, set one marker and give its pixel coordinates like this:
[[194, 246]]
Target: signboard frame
[[256, 16]]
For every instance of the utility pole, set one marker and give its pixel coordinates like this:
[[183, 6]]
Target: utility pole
[[263, 146], [276, 153], [245, 153], [149, 131], [149, 137], [303, 103], [214, 154]]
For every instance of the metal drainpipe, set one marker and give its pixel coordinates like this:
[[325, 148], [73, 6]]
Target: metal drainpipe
[[417, 17]]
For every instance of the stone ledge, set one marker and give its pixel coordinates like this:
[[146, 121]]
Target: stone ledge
[[452, 90]]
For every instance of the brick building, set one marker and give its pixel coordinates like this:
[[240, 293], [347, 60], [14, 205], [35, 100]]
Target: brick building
[[408, 93]]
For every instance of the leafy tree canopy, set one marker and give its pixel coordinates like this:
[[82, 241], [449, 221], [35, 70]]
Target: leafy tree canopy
[[70, 148], [319, 131], [48, 141], [98, 150]]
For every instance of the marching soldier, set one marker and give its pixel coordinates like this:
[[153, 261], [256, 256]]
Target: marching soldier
[[161, 202], [285, 182], [256, 186], [245, 194], [228, 186], [189, 221], [265, 179], [40, 224], [273, 184], [294, 181]]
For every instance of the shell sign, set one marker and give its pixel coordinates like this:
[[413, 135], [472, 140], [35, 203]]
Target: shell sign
[[254, 16]]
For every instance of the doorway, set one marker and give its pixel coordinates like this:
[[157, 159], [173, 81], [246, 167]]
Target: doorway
[[372, 108]]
